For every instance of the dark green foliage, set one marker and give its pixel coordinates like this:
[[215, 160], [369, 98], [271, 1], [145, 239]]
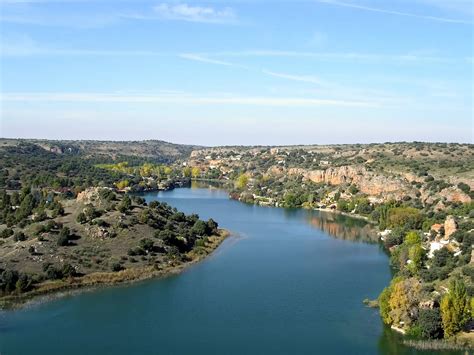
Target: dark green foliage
[[353, 189], [464, 187], [81, 218], [430, 323], [442, 258], [364, 207], [116, 267], [200, 228], [52, 272], [125, 205], [91, 212], [63, 240], [407, 217], [23, 284], [19, 237], [146, 244], [7, 232], [68, 270], [8, 281], [395, 237]]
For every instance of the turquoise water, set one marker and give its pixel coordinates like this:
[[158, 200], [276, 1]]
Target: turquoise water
[[286, 282]]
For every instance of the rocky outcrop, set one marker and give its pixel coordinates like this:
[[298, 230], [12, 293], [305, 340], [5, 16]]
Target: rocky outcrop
[[88, 195], [454, 194], [367, 182], [97, 232], [450, 226]]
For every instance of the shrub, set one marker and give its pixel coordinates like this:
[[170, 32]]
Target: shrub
[[430, 323], [81, 218], [63, 240], [116, 267], [19, 237], [7, 232], [455, 308]]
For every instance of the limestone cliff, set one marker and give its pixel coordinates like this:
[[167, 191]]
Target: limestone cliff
[[367, 182]]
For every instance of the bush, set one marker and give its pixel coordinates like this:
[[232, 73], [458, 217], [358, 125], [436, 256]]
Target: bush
[[441, 257], [407, 217], [7, 232], [464, 187], [430, 323], [146, 244], [63, 240], [116, 267], [19, 237], [81, 218]]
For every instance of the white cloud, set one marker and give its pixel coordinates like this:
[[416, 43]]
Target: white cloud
[[343, 56], [191, 13], [460, 6], [181, 99], [18, 45], [199, 58], [303, 78], [396, 13]]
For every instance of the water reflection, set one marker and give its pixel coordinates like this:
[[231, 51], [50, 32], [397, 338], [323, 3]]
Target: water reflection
[[342, 227], [335, 224]]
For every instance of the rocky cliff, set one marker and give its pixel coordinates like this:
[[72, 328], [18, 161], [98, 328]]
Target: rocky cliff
[[366, 181]]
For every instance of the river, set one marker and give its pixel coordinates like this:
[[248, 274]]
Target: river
[[285, 282]]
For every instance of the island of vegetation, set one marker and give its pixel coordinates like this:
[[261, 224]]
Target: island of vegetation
[[419, 196]]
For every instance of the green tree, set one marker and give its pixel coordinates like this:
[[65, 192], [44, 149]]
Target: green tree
[[416, 254], [430, 323], [404, 300], [409, 217], [384, 306], [195, 172], [200, 228], [241, 182], [147, 244], [455, 308], [81, 218], [187, 172], [125, 205], [63, 238], [23, 283]]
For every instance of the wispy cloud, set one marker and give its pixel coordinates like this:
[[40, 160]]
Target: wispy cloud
[[459, 6], [18, 45], [343, 56], [200, 58], [303, 78], [392, 12], [332, 89], [30, 12], [181, 99], [193, 13]]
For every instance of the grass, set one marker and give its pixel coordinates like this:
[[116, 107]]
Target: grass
[[97, 279]]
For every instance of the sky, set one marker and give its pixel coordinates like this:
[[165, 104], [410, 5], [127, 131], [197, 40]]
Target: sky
[[240, 72]]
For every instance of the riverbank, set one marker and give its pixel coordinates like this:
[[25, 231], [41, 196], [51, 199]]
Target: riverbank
[[53, 289]]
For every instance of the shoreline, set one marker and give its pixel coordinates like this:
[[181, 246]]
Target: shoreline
[[56, 289]]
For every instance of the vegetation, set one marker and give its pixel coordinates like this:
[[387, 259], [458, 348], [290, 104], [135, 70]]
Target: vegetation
[[418, 194]]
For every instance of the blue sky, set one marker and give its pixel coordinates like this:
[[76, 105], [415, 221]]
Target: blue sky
[[238, 72]]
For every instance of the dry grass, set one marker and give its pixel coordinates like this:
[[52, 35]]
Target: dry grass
[[113, 278]]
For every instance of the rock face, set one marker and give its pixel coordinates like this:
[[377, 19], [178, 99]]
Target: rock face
[[450, 226], [436, 227], [454, 194], [88, 195], [367, 182], [97, 232]]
